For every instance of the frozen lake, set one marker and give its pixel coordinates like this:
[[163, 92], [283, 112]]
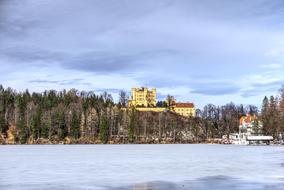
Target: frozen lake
[[141, 167]]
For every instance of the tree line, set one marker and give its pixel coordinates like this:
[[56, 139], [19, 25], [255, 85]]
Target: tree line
[[84, 117], [272, 114]]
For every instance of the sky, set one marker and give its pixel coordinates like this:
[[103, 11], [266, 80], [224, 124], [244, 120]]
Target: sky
[[201, 51]]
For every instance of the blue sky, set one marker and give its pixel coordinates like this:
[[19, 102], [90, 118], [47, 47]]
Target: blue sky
[[202, 51]]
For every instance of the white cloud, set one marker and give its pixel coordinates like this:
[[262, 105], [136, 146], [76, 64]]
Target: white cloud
[[275, 52], [272, 66]]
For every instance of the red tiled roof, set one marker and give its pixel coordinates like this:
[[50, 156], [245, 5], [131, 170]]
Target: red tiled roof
[[184, 105], [247, 119]]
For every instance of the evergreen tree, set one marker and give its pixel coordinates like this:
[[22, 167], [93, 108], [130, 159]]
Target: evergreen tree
[[281, 107], [21, 124], [75, 125], [63, 129], [103, 129], [36, 124], [256, 127], [132, 124], [24, 132], [265, 115], [2, 109], [45, 128], [170, 102], [282, 99], [273, 116], [3, 124]]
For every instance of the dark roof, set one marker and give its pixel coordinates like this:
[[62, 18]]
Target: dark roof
[[184, 105]]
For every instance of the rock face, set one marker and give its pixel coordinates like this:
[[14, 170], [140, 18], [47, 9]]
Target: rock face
[[67, 140], [30, 140], [10, 135], [2, 139], [43, 141]]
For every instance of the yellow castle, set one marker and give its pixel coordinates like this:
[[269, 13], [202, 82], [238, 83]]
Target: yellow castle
[[144, 99]]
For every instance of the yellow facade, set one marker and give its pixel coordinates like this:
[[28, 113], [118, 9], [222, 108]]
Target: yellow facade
[[143, 97], [151, 109], [185, 111]]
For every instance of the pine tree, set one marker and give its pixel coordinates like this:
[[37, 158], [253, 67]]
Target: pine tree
[[265, 115], [36, 124], [21, 124], [273, 116], [45, 128], [63, 129], [3, 124], [281, 107], [132, 124], [2, 110], [103, 130], [282, 99], [75, 125]]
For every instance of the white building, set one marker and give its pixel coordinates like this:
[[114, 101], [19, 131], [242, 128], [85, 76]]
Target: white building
[[250, 132]]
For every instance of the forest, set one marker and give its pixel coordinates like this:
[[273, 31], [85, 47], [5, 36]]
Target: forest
[[79, 117]]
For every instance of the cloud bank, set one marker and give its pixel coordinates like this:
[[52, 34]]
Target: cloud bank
[[202, 51]]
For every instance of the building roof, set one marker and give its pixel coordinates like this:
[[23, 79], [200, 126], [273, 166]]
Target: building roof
[[247, 119], [184, 105]]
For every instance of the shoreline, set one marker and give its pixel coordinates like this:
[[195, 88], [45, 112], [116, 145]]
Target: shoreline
[[19, 144], [116, 144], [143, 144]]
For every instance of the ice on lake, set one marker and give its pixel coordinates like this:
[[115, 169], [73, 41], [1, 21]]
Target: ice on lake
[[195, 167]]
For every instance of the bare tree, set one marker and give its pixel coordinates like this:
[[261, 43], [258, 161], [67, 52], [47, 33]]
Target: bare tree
[[123, 98]]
